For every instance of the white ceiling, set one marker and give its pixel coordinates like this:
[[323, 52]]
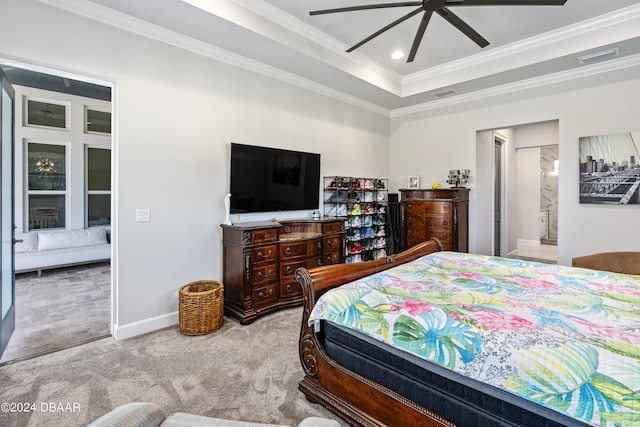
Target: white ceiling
[[530, 46]]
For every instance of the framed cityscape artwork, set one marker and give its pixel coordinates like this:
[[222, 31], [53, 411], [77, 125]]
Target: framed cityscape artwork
[[609, 168]]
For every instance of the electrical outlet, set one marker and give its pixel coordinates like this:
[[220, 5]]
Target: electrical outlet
[[142, 215]]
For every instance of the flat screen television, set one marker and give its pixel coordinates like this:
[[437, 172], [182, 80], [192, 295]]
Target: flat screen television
[[265, 179]]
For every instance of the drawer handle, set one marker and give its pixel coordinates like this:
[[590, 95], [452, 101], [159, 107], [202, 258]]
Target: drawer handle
[[287, 251], [445, 222], [289, 269], [289, 289], [262, 295], [409, 220], [319, 262], [408, 232], [331, 242], [319, 245], [264, 256], [262, 276]]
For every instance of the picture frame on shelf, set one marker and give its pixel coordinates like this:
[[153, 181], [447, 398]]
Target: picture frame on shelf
[[414, 182]]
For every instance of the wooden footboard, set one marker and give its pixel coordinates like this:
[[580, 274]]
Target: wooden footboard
[[356, 399]]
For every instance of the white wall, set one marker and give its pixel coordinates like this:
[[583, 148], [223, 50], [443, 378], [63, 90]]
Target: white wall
[[536, 135], [428, 144], [175, 115], [529, 194], [483, 177]]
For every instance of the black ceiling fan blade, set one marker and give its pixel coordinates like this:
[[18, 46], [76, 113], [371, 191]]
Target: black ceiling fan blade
[[419, 34], [382, 30], [504, 2], [454, 20], [366, 7]]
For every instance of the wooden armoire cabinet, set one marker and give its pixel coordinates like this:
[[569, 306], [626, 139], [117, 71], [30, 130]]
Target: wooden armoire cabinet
[[441, 213], [260, 260]]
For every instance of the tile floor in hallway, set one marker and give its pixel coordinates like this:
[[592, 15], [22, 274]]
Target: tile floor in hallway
[[64, 307], [543, 253]]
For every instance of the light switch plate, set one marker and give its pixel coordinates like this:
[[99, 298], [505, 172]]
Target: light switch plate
[[142, 215]]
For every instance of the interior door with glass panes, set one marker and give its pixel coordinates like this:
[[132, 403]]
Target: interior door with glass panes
[[7, 277]]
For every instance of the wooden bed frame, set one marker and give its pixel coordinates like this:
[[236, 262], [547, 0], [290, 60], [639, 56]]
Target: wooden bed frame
[[352, 397]]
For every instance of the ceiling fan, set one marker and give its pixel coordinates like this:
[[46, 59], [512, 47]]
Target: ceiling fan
[[441, 7]]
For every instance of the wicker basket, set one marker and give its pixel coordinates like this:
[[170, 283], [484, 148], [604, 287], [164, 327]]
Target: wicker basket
[[201, 307]]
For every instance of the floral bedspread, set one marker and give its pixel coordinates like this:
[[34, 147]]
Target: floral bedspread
[[566, 338]]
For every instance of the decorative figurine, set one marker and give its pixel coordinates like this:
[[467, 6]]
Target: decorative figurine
[[227, 208]]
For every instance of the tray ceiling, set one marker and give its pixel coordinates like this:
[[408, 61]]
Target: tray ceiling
[[531, 47]]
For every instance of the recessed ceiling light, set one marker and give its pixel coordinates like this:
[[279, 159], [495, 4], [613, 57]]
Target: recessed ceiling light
[[397, 54]]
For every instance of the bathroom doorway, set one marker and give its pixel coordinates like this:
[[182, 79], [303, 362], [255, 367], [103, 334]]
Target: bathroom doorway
[[517, 191]]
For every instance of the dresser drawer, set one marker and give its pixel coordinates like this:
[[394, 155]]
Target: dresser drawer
[[331, 227], [330, 258], [415, 221], [264, 236], [416, 208], [288, 269], [290, 289], [417, 233], [438, 208], [301, 248], [437, 222], [265, 253], [264, 273], [265, 295], [330, 243]]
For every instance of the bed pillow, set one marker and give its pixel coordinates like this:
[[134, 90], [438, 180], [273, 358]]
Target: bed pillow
[[98, 235], [29, 242], [63, 239]]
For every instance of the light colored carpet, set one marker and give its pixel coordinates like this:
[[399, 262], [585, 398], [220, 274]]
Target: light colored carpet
[[239, 372]]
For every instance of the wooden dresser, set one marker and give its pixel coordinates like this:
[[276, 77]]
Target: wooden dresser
[[260, 260], [440, 213]]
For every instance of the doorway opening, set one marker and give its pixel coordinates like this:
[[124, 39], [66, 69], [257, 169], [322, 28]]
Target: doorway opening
[[63, 165], [517, 191]]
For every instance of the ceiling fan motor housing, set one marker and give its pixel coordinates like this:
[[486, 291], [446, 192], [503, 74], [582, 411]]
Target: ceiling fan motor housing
[[432, 5]]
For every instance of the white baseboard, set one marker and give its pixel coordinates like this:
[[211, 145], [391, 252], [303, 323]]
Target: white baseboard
[[144, 326], [523, 243]]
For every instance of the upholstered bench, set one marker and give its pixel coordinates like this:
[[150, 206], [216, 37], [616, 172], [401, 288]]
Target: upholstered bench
[[146, 414], [41, 250]]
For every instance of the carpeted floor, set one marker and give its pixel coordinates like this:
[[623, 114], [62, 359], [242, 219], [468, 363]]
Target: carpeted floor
[[239, 372]]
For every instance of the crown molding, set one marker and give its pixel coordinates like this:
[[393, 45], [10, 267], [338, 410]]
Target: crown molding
[[624, 20], [560, 77], [137, 26], [280, 18], [273, 24], [560, 42]]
